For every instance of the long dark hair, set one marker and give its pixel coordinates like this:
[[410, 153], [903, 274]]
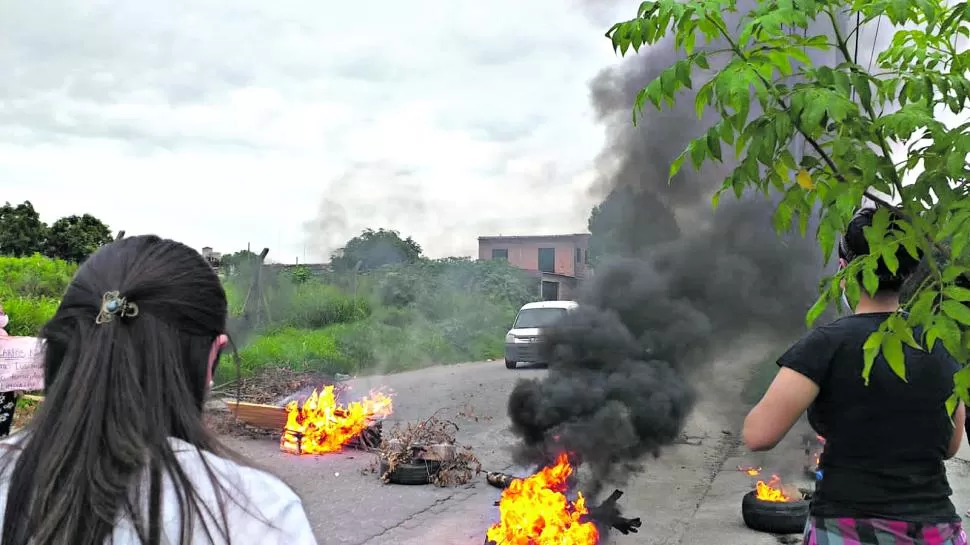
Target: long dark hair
[[116, 392]]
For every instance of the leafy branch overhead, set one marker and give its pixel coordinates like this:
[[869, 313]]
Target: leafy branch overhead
[[871, 128]]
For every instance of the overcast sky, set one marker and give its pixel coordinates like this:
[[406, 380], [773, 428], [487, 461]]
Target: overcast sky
[[294, 124]]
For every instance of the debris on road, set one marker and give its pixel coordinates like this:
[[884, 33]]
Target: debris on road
[[498, 479], [429, 446], [273, 385]]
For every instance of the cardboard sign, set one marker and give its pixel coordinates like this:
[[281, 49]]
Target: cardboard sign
[[21, 364]]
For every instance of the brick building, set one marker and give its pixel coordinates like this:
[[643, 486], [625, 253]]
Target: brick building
[[558, 262]]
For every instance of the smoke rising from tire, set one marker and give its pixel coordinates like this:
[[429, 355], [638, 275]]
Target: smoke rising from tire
[[679, 285]]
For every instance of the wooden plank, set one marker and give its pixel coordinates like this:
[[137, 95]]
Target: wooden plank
[[268, 417]]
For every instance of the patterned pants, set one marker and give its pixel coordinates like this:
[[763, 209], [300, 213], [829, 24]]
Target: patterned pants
[[847, 531], [8, 402]]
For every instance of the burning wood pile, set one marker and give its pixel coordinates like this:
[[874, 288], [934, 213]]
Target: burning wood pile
[[321, 425], [537, 511], [427, 452]]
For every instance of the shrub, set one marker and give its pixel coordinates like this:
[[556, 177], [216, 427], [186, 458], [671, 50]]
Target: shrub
[[35, 276], [30, 290], [28, 314]]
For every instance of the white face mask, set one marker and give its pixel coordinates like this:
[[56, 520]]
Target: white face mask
[[845, 302], [4, 320]]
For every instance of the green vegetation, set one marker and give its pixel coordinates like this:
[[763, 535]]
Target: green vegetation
[[403, 316], [387, 318], [31, 290], [763, 91]]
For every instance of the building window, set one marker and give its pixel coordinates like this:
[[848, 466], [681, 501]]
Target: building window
[[500, 254], [547, 260], [586, 257], [579, 255]]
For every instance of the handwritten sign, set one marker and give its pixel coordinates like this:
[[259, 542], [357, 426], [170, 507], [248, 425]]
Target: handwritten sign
[[21, 364]]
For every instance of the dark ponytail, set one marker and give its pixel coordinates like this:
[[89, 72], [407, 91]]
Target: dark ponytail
[[116, 392]]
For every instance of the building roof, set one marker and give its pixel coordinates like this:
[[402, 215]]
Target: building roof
[[501, 238]]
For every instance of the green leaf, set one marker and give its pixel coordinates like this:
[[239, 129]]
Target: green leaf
[[817, 309], [957, 293], [870, 281], [861, 85], [682, 69], [889, 258], [676, 165], [951, 404], [714, 143], [897, 324], [892, 350], [870, 350], [957, 311], [698, 151], [702, 99], [961, 384], [951, 272]]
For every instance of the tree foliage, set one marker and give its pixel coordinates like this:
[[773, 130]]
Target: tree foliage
[[766, 90], [21, 231], [373, 249], [74, 238]]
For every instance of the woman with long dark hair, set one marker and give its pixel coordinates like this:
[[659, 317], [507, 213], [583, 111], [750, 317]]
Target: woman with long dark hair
[[883, 477], [118, 452]]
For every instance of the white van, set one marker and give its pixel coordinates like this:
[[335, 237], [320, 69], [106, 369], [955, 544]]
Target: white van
[[523, 340]]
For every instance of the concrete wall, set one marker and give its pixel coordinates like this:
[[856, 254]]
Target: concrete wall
[[524, 252]]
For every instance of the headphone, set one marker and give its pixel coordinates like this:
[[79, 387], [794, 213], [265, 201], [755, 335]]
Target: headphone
[[867, 211]]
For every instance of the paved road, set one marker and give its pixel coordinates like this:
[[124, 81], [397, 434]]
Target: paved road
[[348, 507]]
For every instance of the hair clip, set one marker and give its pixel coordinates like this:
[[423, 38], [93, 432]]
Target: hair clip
[[113, 304]]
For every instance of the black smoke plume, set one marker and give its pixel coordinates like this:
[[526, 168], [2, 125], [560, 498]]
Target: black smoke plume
[[681, 284]]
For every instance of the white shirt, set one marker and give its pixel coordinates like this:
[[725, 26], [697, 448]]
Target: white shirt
[[254, 491]]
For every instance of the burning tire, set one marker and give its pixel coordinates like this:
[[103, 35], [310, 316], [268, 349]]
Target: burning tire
[[411, 473], [510, 364], [774, 517]]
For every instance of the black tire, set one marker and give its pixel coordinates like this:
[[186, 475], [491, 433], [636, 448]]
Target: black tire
[[774, 517], [411, 473], [510, 364]]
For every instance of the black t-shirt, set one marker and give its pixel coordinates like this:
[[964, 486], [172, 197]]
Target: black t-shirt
[[884, 443]]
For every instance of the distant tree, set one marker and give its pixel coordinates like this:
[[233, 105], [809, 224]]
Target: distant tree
[[74, 238], [21, 231], [373, 249]]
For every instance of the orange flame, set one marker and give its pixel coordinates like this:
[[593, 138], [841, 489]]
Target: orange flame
[[321, 425], [535, 511], [750, 471], [774, 491]]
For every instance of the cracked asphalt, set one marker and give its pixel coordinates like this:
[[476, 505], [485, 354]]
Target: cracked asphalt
[[348, 505]]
